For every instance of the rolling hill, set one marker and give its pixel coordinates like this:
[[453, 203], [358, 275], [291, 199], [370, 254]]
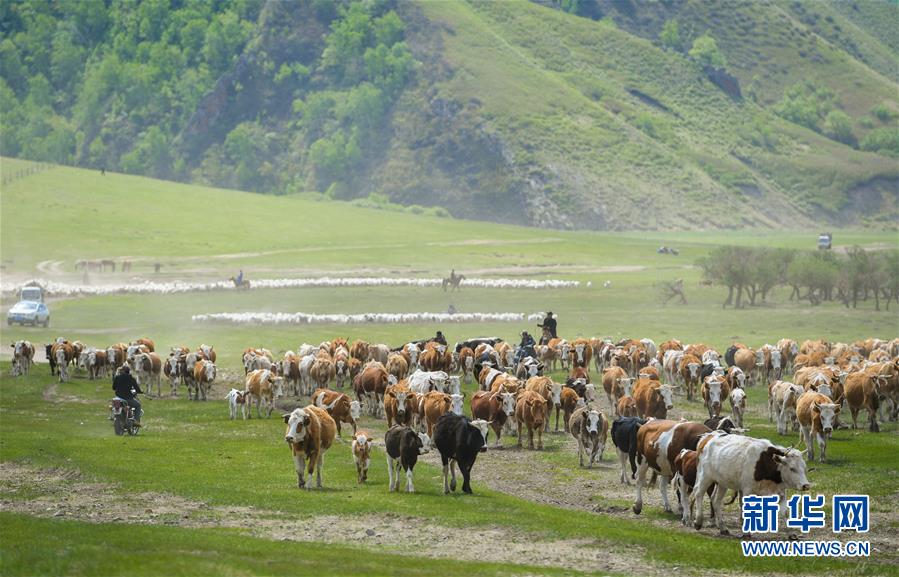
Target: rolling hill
[[514, 112]]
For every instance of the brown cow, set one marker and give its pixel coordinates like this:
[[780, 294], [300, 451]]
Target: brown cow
[[433, 406], [568, 401], [151, 346], [590, 428], [370, 386], [339, 405], [322, 371], [611, 377], [817, 415], [686, 465], [399, 405], [290, 370], [653, 398], [690, 367], [63, 354], [531, 412], [361, 454], [359, 350], [397, 366], [147, 369], [495, 407], [659, 442], [580, 354], [261, 384], [310, 432], [626, 407], [863, 392]]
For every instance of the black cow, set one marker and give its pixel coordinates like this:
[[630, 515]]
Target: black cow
[[403, 445], [624, 437], [473, 343], [459, 440], [49, 352], [720, 423], [579, 386], [729, 355], [708, 369]]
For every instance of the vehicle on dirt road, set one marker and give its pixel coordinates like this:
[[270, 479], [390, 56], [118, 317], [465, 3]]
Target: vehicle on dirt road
[[30, 309]]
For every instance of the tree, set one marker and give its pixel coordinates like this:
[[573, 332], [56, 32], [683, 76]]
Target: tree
[[705, 51], [838, 126], [670, 36]]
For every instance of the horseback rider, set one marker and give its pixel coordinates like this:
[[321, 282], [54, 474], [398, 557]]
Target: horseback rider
[[439, 338], [549, 328], [525, 347], [239, 279]]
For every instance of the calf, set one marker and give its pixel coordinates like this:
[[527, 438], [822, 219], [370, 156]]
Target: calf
[[626, 407], [23, 357], [624, 437], [530, 412], [690, 366], [403, 446], [495, 407], [399, 405], [863, 392], [568, 402], [611, 377], [310, 432], [590, 428], [204, 374], [737, 400], [235, 398], [459, 440], [361, 454], [782, 397], [685, 466], [747, 465], [817, 415], [658, 443]]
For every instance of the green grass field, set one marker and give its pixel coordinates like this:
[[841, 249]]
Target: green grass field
[[192, 452]]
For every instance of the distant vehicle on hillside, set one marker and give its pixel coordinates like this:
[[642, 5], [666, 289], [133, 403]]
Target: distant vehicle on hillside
[[30, 309], [825, 240]]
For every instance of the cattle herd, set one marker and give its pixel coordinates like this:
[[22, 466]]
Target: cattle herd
[[417, 389]]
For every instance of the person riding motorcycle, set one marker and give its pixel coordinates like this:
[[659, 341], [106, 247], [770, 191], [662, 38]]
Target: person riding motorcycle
[[549, 328], [126, 388], [525, 347]]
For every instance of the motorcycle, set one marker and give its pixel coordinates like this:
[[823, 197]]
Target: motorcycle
[[123, 418]]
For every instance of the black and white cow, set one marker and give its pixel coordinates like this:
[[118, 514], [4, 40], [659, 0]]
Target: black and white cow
[[403, 445], [459, 440], [624, 437]]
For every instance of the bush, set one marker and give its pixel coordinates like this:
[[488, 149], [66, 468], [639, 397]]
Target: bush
[[883, 140], [705, 51], [838, 126]]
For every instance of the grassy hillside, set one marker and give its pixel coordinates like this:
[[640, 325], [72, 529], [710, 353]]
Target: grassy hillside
[[509, 112]]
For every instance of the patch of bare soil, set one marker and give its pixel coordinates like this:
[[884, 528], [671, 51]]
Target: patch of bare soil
[[62, 493]]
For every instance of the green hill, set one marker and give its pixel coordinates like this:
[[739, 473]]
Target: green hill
[[573, 114]]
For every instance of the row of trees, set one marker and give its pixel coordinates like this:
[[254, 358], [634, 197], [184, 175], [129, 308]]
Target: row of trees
[[750, 273]]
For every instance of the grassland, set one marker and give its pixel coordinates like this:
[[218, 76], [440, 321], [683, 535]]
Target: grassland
[[192, 452]]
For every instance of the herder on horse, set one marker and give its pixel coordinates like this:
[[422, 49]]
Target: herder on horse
[[549, 328], [454, 280]]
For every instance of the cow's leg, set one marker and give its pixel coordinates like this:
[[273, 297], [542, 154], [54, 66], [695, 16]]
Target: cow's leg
[[716, 501], [453, 473], [822, 446], [318, 470], [519, 434], [641, 480], [663, 489], [389, 474], [530, 437], [680, 486], [300, 464], [558, 408], [622, 459], [699, 490], [446, 488], [872, 418], [805, 434], [465, 469], [539, 439], [612, 404], [598, 448], [580, 451], [410, 487]]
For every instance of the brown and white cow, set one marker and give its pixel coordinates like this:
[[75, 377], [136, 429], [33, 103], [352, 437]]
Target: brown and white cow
[[531, 412], [22, 357], [714, 391], [63, 354], [690, 367], [433, 406], [290, 371], [399, 405], [310, 432], [568, 403], [737, 400], [341, 408], [495, 407], [653, 399], [580, 354], [322, 371], [370, 386], [590, 428], [466, 364], [612, 376], [626, 407], [361, 447], [96, 363], [659, 442], [817, 417], [204, 373], [147, 369], [360, 350], [261, 385]]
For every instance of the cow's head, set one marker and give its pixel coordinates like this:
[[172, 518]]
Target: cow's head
[[341, 366], [401, 397], [425, 441], [277, 384], [456, 403], [827, 413], [792, 469], [508, 403], [236, 397], [361, 447], [83, 360], [556, 394], [355, 410], [441, 350], [626, 383], [738, 375], [738, 399], [824, 388], [60, 355], [667, 393], [694, 369], [209, 371], [483, 428], [469, 362], [579, 351], [455, 385], [589, 392], [297, 425], [775, 358], [565, 347], [592, 421]]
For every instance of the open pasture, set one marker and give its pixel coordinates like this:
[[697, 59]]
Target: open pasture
[[203, 494]]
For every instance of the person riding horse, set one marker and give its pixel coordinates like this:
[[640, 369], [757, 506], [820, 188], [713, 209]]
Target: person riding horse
[[549, 328], [525, 347]]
